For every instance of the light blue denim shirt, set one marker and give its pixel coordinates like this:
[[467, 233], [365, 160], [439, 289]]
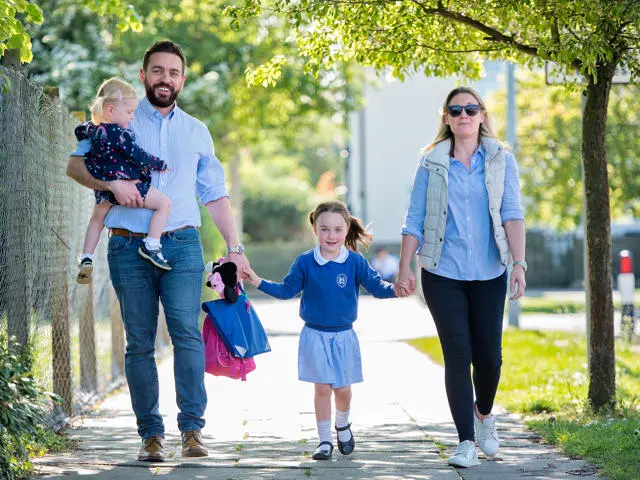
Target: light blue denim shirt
[[194, 171], [469, 251]]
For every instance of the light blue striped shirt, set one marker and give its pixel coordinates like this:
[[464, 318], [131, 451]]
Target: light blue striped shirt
[[194, 171], [469, 251]]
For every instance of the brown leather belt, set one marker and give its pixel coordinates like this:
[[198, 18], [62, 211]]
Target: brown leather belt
[[123, 232]]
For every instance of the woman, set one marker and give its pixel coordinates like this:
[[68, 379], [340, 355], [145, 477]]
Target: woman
[[466, 225]]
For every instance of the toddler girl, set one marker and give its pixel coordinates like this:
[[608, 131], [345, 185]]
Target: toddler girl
[[114, 155]]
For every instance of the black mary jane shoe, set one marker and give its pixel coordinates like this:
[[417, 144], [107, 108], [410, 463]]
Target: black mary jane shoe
[[321, 454], [346, 448]]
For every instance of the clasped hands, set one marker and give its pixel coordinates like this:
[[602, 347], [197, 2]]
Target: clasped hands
[[405, 283]]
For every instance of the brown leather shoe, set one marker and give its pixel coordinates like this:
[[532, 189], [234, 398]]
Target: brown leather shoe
[[152, 450], [192, 444]]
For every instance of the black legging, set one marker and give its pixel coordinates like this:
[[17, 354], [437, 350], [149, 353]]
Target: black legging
[[468, 317]]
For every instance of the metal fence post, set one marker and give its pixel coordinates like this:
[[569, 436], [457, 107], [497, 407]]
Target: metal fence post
[[16, 212], [60, 321]]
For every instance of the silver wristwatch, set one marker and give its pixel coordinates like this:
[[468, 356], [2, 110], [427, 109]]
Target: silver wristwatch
[[522, 263], [239, 248]]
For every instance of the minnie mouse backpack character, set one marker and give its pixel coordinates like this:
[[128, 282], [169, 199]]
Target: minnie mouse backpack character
[[218, 360]]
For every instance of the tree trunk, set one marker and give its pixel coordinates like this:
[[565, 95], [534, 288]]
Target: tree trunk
[[598, 237]]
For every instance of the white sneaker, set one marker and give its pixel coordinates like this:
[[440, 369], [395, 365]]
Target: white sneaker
[[487, 435], [465, 456]]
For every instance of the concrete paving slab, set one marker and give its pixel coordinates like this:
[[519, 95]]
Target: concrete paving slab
[[264, 428]]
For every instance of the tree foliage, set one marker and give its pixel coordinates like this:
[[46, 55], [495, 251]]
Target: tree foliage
[[16, 15], [549, 131], [443, 38]]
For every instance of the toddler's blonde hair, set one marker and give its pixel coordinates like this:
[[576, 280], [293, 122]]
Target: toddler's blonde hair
[[111, 92]]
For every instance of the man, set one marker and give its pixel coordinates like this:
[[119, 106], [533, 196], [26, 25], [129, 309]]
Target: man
[[164, 130]]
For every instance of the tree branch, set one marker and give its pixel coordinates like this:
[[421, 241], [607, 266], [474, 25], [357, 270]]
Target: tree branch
[[470, 50], [494, 34]]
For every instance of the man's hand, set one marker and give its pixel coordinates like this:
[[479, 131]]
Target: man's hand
[[241, 262], [126, 193]]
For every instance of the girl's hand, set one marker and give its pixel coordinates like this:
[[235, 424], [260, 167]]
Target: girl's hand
[[252, 277]]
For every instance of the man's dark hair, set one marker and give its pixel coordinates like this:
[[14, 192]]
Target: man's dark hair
[[166, 46]]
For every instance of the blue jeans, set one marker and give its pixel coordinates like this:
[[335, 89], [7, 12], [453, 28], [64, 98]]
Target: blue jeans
[[139, 286]]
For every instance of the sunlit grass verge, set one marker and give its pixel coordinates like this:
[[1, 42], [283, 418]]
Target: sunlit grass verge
[[544, 378], [561, 305]]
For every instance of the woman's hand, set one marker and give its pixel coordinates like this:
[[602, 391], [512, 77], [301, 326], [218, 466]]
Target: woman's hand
[[405, 282], [517, 283]]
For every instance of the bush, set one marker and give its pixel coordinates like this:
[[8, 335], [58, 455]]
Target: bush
[[23, 409], [276, 208]]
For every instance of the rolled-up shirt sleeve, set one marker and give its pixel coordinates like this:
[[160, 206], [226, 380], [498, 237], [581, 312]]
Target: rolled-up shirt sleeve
[[511, 208], [417, 212], [210, 176], [82, 147]]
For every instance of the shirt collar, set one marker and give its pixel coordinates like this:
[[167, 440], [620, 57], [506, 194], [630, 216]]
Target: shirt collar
[[478, 155], [341, 258], [149, 110]]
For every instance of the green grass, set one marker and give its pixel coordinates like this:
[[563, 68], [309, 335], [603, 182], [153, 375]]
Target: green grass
[[558, 304], [550, 305], [544, 377]]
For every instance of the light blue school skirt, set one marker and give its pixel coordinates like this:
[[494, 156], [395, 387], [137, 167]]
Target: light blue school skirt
[[329, 357]]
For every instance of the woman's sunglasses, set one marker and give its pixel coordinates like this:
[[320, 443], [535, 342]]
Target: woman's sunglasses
[[470, 110]]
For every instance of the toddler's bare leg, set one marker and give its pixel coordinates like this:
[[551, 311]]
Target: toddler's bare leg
[[161, 205], [94, 229]]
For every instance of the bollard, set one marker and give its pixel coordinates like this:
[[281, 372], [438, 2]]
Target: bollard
[[626, 287]]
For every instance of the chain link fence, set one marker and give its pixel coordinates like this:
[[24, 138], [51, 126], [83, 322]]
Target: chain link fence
[[75, 330]]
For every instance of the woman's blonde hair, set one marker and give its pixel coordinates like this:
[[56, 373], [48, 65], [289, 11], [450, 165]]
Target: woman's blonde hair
[[444, 131], [111, 92], [357, 232]]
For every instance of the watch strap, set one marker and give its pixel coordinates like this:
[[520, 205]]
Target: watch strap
[[522, 263]]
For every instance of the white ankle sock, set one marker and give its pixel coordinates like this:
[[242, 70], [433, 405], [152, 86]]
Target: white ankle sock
[[324, 432], [342, 420], [152, 243], [86, 255]]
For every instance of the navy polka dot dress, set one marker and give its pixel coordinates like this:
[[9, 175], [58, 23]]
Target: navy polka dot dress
[[114, 155]]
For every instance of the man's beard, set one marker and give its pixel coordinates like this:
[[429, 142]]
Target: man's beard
[[158, 102]]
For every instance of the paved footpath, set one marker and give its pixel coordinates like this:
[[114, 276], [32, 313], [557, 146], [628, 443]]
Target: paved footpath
[[264, 428]]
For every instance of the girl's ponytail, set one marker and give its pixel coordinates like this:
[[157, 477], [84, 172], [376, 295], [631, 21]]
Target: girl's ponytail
[[357, 233]]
